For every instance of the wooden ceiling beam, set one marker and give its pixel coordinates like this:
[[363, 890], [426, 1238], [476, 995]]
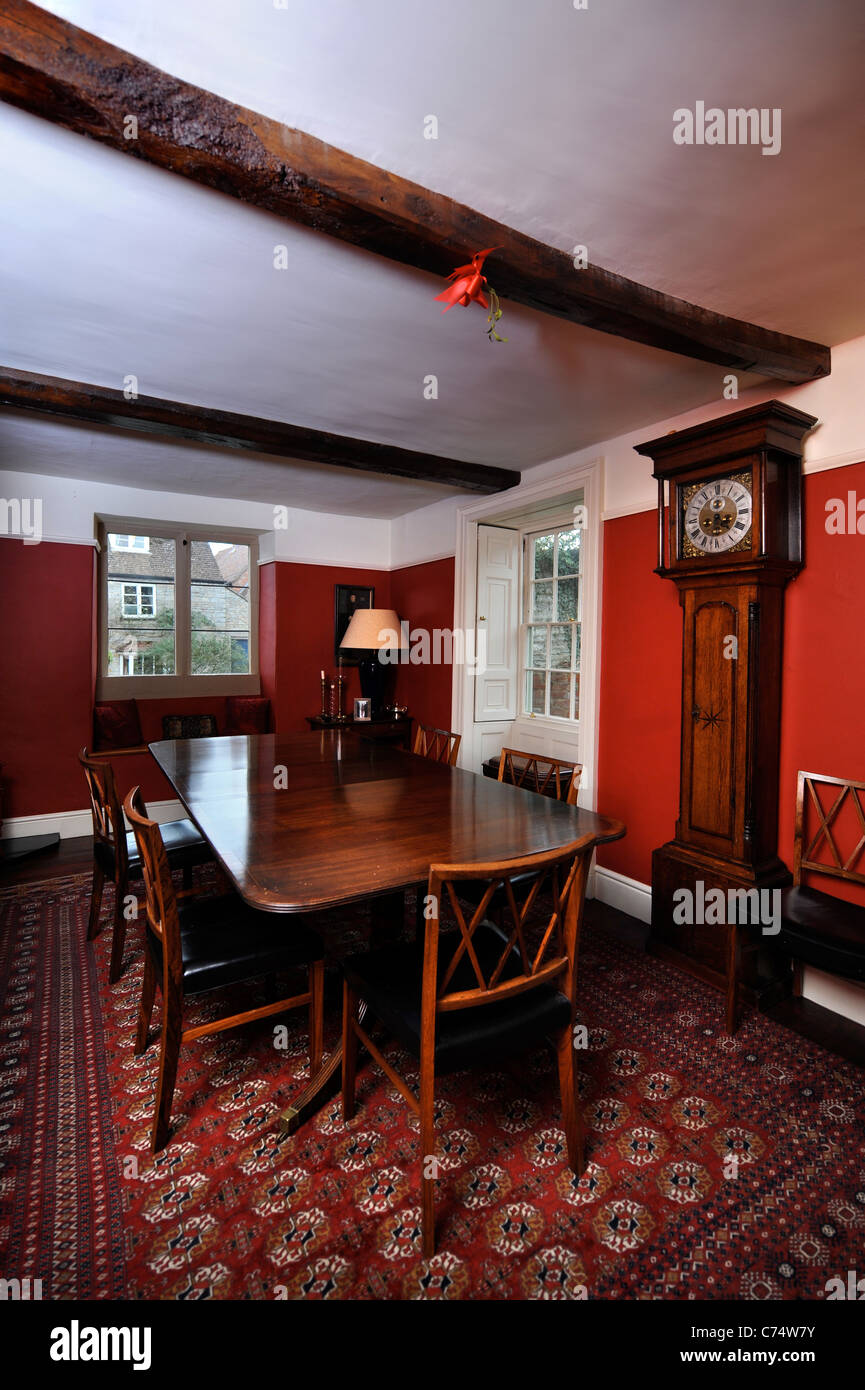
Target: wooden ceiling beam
[[68, 76], [99, 405]]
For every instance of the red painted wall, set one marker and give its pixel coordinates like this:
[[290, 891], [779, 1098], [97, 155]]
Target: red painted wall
[[641, 682], [296, 623], [824, 661], [424, 596], [46, 650], [46, 636], [824, 675]]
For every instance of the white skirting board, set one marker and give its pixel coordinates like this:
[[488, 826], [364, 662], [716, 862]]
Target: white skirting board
[[627, 894], [71, 824], [843, 997]]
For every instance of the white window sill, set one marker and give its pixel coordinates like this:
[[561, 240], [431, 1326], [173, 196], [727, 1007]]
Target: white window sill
[[174, 687]]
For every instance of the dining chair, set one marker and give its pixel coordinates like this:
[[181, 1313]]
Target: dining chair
[[538, 773], [116, 857], [195, 945], [475, 994], [439, 745]]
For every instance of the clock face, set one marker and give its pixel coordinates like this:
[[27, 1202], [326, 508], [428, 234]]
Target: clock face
[[716, 516]]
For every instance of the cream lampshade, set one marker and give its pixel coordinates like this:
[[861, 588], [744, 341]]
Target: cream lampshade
[[374, 629]]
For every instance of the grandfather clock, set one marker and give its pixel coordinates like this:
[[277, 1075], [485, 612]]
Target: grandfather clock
[[730, 540]]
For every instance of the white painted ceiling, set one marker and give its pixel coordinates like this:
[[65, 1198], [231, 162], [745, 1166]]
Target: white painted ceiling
[[555, 120]]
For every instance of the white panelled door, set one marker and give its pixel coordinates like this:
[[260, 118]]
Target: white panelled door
[[497, 616]]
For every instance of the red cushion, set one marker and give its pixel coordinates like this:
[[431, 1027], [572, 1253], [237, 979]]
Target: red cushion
[[247, 714], [116, 725]]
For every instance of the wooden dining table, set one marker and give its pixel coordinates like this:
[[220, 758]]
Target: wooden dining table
[[306, 822]]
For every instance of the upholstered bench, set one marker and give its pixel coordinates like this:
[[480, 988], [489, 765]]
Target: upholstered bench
[[117, 723]]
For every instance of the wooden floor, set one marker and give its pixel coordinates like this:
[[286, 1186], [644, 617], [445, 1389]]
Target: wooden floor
[[68, 857], [830, 1030]]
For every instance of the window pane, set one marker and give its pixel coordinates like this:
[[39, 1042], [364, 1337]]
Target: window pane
[[560, 646], [560, 694], [220, 608], [536, 692], [117, 542], [140, 651], [542, 600], [543, 548], [140, 606], [566, 599], [569, 552], [537, 646]]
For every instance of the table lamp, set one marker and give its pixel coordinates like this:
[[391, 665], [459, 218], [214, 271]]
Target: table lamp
[[374, 630]]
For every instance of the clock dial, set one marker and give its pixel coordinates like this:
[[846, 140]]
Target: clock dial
[[716, 516]]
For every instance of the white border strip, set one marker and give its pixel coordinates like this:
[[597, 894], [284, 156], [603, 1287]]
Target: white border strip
[[809, 466], [627, 894], [70, 825]]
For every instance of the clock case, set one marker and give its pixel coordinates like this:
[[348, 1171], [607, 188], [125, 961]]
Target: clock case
[[727, 829], [765, 440]]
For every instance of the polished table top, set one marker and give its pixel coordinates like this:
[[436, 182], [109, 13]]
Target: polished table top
[[348, 819]]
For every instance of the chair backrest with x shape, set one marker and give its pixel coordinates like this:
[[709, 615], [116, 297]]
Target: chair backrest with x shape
[[841, 797], [550, 776], [159, 896], [109, 827], [439, 745], [537, 936]]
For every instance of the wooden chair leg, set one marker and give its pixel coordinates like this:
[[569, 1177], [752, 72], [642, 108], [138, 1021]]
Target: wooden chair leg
[[145, 1008], [316, 1015], [571, 1120], [95, 901], [172, 1025], [428, 1155], [349, 1050], [118, 942], [732, 977]]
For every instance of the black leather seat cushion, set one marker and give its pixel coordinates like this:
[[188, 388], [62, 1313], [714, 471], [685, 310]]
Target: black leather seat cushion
[[823, 931], [224, 942], [472, 890], [390, 980], [184, 845]]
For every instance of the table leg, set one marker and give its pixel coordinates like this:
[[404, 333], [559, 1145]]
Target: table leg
[[317, 1091], [388, 922]]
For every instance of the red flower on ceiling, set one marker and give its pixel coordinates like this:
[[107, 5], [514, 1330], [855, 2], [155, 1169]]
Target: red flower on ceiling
[[469, 284]]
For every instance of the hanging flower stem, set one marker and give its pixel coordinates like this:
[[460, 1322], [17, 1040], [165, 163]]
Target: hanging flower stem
[[494, 316]]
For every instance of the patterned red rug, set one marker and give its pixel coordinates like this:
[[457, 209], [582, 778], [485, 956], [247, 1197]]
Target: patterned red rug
[[719, 1168]]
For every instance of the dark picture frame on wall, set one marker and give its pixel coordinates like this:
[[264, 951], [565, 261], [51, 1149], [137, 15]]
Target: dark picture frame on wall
[[347, 598]]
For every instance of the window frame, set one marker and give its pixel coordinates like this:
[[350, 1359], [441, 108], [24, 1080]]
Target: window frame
[[138, 585], [182, 685], [131, 549], [555, 524]]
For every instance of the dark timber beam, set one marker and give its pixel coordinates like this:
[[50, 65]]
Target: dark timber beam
[[70, 77], [99, 405]]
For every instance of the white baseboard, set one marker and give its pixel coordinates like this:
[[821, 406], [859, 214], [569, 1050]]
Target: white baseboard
[[627, 894], [71, 824]]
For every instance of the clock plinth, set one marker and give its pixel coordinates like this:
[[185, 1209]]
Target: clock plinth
[[731, 540], [699, 944]]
